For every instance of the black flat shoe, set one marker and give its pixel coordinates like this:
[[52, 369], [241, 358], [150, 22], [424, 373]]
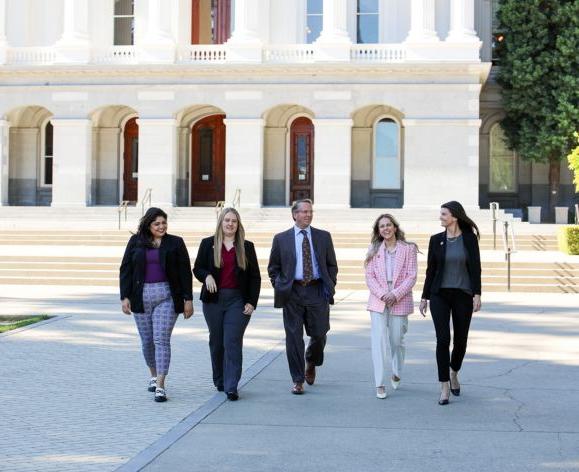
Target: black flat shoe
[[443, 401], [232, 396]]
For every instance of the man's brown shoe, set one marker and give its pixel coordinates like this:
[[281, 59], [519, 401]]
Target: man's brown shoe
[[298, 388], [310, 374]]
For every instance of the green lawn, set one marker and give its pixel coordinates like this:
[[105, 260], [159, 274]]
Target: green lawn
[[8, 323]]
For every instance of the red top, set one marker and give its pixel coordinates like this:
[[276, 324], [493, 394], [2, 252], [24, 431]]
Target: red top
[[227, 278]]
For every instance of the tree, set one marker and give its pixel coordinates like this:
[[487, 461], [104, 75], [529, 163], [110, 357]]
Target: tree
[[539, 74]]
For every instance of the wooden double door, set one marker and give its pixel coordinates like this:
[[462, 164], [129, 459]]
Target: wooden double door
[[131, 160], [208, 161], [301, 159]]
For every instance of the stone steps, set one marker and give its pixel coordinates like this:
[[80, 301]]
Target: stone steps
[[263, 239], [103, 271]]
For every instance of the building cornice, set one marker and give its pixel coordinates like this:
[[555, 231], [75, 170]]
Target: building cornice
[[440, 72]]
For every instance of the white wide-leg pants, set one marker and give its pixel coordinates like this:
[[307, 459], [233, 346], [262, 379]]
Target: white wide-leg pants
[[392, 328]]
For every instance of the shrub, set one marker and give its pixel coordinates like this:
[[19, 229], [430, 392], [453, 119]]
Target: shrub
[[569, 239]]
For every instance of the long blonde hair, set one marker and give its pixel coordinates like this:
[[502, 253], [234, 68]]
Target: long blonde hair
[[238, 241], [377, 239]]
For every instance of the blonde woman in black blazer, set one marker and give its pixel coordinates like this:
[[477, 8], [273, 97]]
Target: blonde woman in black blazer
[[227, 266], [453, 286]]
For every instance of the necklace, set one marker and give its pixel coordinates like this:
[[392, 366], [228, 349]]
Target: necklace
[[453, 240]]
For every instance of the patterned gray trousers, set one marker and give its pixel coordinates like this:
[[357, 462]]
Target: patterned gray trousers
[[156, 325]]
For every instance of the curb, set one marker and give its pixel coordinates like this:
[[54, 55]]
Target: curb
[[148, 455]]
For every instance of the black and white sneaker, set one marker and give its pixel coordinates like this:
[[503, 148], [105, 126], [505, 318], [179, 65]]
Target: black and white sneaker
[[152, 384], [160, 395]]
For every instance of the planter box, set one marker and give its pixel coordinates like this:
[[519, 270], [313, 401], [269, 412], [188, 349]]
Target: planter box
[[534, 215], [561, 215]]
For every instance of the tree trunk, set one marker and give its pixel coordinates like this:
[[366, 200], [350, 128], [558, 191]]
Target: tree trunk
[[554, 183]]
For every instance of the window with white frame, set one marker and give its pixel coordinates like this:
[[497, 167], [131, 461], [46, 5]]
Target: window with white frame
[[503, 163], [368, 21], [386, 168], [46, 156], [314, 20], [124, 23]]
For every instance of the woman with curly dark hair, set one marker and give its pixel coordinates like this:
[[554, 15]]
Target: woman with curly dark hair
[[156, 285]]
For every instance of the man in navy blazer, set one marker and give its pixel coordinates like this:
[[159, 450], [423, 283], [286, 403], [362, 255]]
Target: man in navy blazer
[[303, 271]]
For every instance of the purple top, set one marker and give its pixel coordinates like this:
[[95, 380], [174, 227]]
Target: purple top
[[154, 273]]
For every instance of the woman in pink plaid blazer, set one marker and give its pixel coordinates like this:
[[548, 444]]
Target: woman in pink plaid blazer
[[390, 275]]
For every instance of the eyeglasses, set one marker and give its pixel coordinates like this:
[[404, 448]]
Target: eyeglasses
[[307, 212]]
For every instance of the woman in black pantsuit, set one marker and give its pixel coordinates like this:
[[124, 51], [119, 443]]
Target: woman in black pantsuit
[[453, 286], [227, 266]]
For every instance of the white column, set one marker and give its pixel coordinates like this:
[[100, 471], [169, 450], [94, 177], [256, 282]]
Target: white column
[[334, 43], [4, 161], [74, 44], [3, 39], [462, 22], [72, 162], [441, 162], [159, 44], [422, 21], [332, 162], [244, 160], [245, 44], [158, 160]]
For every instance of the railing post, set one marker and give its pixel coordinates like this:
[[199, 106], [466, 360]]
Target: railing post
[[509, 247], [494, 208]]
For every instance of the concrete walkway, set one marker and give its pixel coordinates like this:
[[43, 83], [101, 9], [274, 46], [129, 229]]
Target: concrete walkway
[[73, 394], [518, 412]]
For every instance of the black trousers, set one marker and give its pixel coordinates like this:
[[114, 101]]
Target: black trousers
[[306, 307], [456, 304], [226, 323]]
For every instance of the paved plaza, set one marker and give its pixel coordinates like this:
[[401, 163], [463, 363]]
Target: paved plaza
[[75, 397]]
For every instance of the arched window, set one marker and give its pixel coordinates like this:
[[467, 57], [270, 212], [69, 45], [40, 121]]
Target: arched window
[[46, 156], [314, 20], [368, 21], [386, 169], [124, 23], [503, 163]]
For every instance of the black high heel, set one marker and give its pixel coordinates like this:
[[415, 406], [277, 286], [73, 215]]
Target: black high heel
[[443, 401], [455, 391]]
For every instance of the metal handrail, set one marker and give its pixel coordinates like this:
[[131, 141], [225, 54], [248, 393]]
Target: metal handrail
[[123, 207], [219, 205], [146, 198], [509, 246], [236, 199], [494, 206]]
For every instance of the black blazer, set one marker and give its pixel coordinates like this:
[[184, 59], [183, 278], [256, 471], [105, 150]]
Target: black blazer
[[282, 264], [175, 262], [436, 258], [249, 280]]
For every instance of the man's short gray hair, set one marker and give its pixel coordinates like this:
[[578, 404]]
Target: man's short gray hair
[[297, 203]]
